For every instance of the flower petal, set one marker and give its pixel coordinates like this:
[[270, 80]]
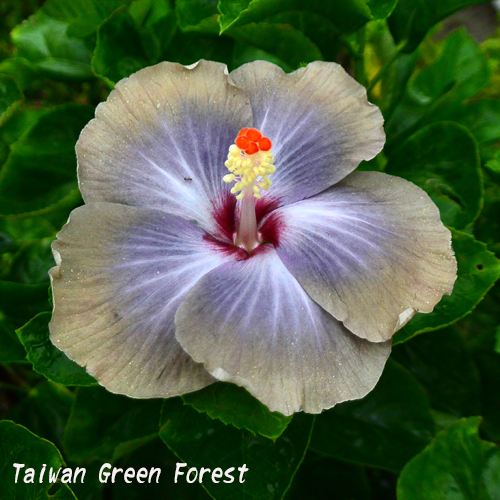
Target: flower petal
[[121, 273], [161, 140], [251, 323], [318, 119], [371, 250]]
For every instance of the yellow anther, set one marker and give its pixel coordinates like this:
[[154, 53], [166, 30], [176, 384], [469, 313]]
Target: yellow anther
[[249, 170]]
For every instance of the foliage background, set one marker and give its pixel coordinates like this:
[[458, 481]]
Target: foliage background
[[431, 428]]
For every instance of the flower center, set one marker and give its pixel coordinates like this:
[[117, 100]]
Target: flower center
[[250, 161]]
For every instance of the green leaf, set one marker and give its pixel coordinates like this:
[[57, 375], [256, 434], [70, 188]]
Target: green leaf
[[10, 95], [202, 442], [106, 426], [381, 9], [384, 429], [277, 40], [478, 270], [25, 253], [119, 50], [346, 16], [321, 477], [44, 42], [155, 454], [23, 72], [11, 350], [461, 65], [456, 465], [82, 16], [18, 303], [157, 23], [198, 16], [412, 19], [444, 366], [299, 36], [234, 405], [131, 40], [188, 48], [494, 163], [479, 331], [19, 445], [318, 29], [244, 53], [282, 41], [44, 410], [438, 91], [448, 170], [46, 358], [46, 156], [482, 118]]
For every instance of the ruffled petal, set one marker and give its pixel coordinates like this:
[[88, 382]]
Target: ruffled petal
[[161, 140], [251, 323], [121, 273], [318, 119], [372, 251]]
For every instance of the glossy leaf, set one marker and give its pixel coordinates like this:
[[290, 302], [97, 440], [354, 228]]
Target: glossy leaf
[[346, 16], [19, 445], [494, 163], [23, 72], [83, 16], [18, 303], [234, 405], [200, 441], [10, 95], [448, 169], [478, 270], [26, 254], [384, 429], [44, 410], [444, 366], [480, 333], [412, 19], [438, 91], [155, 454], [105, 425], [278, 40], [46, 358], [188, 48], [317, 28], [46, 156], [124, 46], [198, 16], [44, 42], [119, 51], [157, 23], [461, 64], [321, 477], [456, 465], [482, 118], [11, 349], [284, 42]]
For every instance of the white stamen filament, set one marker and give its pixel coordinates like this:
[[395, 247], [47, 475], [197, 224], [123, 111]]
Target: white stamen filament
[[246, 233]]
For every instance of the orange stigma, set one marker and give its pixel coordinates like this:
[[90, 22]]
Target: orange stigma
[[252, 141]]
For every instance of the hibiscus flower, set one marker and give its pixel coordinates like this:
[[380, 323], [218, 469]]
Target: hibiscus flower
[[224, 236]]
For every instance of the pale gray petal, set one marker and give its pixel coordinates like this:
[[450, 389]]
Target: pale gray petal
[[372, 251], [251, 323], [121, 273]]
